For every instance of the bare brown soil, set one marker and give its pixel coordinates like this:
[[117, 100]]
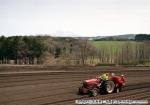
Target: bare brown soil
[[38, 85]]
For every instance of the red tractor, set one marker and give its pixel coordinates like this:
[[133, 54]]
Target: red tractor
[[94, 86]]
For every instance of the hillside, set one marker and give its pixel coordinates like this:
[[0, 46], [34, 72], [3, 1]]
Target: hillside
[[115, 37]]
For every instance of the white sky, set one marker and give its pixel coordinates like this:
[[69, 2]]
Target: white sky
[[74, 17]]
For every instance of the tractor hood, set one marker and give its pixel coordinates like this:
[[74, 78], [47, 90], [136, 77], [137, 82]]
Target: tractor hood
[[90, 81]]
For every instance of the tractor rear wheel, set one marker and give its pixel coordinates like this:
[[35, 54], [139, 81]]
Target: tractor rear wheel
[[109, 86]]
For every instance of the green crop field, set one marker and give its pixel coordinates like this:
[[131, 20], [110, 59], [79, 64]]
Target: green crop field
[[112, 44], [107, 43]]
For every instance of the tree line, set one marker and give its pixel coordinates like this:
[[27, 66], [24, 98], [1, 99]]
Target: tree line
[[70, 51], [138, 37], [21, 49], [40, 50], [129, 53], [141, 37]]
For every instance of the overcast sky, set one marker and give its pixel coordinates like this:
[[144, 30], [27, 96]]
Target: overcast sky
[[74, 17]]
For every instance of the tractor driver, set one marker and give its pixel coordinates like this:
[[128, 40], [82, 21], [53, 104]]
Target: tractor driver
[[104, 76]]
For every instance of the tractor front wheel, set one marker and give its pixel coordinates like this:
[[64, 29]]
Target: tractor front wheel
[[93, 92]]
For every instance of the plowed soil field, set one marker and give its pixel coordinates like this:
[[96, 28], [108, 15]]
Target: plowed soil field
[[36, 85]]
